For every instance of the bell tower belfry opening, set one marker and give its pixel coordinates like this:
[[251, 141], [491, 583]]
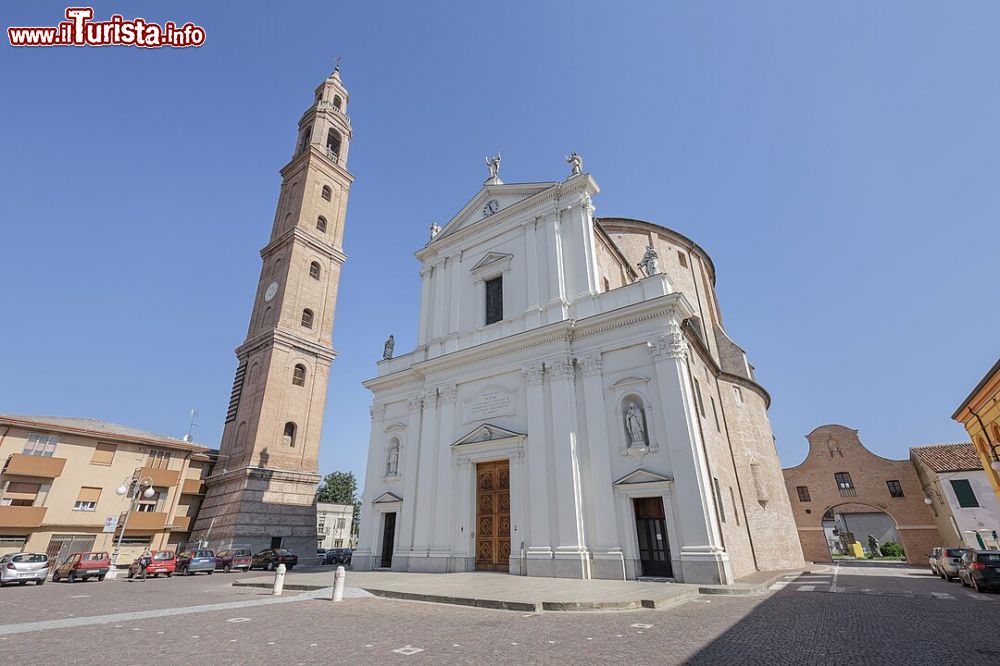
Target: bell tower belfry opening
[[263, 487]]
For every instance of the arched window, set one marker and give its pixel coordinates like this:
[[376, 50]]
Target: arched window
[[276, 266], [307, 318], [333, 145], [314, 270], [306, 136], [327, 192], [996, 433], [299, 375], [288, 438], [336, 102], [321, 224], [241, 436]]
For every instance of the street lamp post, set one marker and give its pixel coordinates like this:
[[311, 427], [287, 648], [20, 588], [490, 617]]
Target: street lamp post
[[132, 487]]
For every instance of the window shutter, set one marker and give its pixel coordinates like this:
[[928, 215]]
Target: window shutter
[[89, 494], [104, 454], [21, 490], [964, 493]]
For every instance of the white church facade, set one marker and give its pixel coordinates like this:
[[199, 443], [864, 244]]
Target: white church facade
[[567, 411]]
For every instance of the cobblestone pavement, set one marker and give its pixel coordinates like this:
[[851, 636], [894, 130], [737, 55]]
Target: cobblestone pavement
[[884, 616]]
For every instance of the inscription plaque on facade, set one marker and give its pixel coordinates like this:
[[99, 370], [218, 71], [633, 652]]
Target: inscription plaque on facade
[[489, 404]]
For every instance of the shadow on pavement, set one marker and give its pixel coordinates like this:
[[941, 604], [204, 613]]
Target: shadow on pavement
[[885, 625]]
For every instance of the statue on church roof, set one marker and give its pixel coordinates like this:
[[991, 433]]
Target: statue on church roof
[[576, 164], [493, 164], [390, 344], [650, 262], [435, 230]]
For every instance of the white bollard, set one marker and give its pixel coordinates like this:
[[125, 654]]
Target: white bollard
[[279, 580], [338, 584]]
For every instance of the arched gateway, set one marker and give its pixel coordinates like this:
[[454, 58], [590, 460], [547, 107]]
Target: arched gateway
[[840, 477]]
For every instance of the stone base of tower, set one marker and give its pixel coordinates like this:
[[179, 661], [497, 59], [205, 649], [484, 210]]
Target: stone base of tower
[[259, 508]]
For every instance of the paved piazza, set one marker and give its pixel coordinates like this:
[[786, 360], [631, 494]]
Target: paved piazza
[[836, 615]]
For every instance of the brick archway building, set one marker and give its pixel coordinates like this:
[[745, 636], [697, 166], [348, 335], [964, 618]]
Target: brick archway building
[[839, 471]]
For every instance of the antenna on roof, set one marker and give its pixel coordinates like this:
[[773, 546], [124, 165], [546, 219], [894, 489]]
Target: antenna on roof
[[189, 437]]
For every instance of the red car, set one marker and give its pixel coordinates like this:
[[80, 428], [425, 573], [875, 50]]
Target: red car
[[162, 562], [81, 566]]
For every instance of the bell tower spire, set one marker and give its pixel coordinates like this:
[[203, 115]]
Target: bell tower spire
[[262, 490]]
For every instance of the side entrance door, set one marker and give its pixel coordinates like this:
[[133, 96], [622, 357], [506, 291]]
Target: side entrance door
[[493, 516], [651, 529], [388, 540]]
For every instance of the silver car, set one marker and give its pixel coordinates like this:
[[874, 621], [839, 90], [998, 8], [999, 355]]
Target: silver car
[[21, 567], [948, 561]]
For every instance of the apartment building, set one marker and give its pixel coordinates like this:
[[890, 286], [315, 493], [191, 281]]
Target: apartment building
[[333, 525], [59, 479]]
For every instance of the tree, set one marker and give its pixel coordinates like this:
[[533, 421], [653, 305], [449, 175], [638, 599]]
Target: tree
[[338, 488], [341, 488]]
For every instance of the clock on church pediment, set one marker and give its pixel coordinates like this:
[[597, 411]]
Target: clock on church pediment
[[491, 207]]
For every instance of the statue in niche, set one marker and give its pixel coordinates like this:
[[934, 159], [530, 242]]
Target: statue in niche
[[576, 164], [392, 460], [650, 263], [834, 448], [390, 344], [635, 425]]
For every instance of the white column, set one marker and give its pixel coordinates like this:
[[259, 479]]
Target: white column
[[531, 273], [604, 544], [465, 513], [440, 300], [425, 305], [368, 535], [455, 267], [410, 454], [426, 480], [518, 535], [538, 546], [703, 560], [572, 559], [555, 308], [443, 518]]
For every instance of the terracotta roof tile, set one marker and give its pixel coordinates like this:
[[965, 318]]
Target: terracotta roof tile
[[949, 457]]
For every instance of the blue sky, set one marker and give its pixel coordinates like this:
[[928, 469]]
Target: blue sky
[[839, 161]]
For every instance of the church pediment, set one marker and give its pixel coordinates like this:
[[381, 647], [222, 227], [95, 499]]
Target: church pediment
[[488, 433], [490, 201], [641, 476], [386, 498], [490, 259]]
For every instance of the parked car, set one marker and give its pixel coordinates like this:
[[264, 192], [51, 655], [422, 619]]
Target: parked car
[[338, 556], [235, 558], [270, 559], [980, 569], [81, 566], [21, 567], [932, 560], [321, 553], [947, 563], [161, 562], [191, 562]]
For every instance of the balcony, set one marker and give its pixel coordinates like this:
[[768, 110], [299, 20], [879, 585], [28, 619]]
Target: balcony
[[193, 487], [162, 478], [181, 524], [20, 464], [21, 516], [146, 521]]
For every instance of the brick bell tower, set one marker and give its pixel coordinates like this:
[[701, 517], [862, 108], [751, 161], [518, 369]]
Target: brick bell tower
[[262, 491]]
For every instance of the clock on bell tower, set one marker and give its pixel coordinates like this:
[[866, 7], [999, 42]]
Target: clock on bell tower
[[262, 490]]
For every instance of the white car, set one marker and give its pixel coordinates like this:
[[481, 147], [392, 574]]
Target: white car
[[21, 567]]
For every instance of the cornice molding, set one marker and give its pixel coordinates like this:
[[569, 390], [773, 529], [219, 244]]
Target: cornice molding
[[298, 234]]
